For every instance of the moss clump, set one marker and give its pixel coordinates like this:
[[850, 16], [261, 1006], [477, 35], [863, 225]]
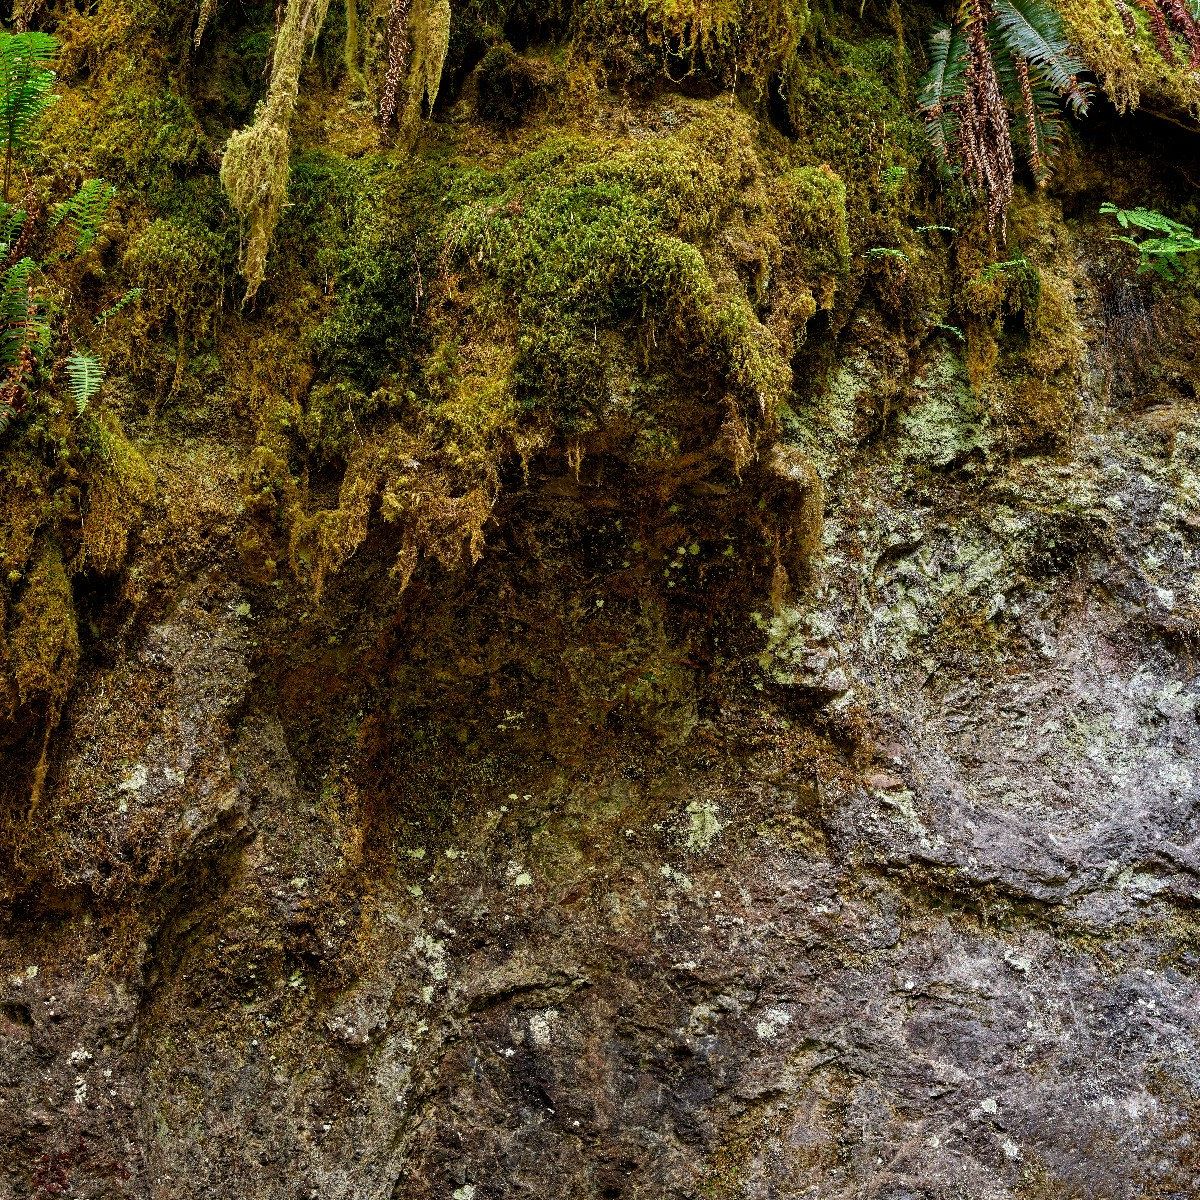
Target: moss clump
[[1129, 64], [847, 107], [597, 241], [180, 269], [430, 33], [119, 484], [42, 643], [1025, 344], [635, 297], [509, 87], [735, 42]]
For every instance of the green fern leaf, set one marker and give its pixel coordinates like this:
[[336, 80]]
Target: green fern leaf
[[1033, 30], [130, 296], [26, 89], [22, 322], [84, 377], [942, 87], [84, 213]]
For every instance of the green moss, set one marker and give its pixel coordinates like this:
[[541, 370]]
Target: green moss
[[43, 639], [847, 105], [119, 484], [1130, 69], [590, 238], [734, 41]]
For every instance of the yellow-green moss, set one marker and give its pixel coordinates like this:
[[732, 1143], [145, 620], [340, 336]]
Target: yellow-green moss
[[119, 484], [738, 41], [1131, 69], [43, 640]]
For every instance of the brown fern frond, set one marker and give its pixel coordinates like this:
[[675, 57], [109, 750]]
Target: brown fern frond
[[16, 380], [1036, 163], [1179, 16], [207, 9], [985, 141], [1126, 15], [1159, 30], [397, 59]]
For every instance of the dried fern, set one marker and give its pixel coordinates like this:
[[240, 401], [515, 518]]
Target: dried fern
[[207, 9], [1004, 63], [397, 58]]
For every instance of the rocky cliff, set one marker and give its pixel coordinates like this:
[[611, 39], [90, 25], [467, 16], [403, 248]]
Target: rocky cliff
[[654, 657]]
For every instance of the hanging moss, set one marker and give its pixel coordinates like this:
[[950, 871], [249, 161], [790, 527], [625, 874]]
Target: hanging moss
[[254, 169], [1115, 41], [43, 638], [119, 483], [430, 32], [737, 42]]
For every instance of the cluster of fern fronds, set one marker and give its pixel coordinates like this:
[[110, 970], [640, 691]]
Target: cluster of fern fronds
[[27, 83], [1000, 77]]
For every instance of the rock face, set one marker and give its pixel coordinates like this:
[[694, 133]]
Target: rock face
[[891, 896], [774, 774]]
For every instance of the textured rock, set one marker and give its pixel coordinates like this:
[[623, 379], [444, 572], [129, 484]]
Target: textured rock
[[634, 860]]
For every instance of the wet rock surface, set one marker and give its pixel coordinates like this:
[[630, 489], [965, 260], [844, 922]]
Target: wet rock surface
[[891, 895]]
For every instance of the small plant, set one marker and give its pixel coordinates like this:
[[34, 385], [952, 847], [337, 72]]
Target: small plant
[[84, 376], [85, 212], [879, 252], [891, 180], [996, 269], [952, 330], [26, 90], [112, 310], [1160, 242], [24, 335]]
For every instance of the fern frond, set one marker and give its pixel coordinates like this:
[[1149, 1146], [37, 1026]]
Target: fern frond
[[84, 377], [22, 324], [26, 89], [84, 213], [12, 221], [1041, 128], [112, 310], [1034, 31], [24, 334], [942, 87]]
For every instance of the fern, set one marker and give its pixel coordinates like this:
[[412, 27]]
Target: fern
[[942, 87], [1026, 53], [12, 222], [1032, 30], [84, 377], [22, 322], [26, 89], [1162, 252], [112, 310], [24, 335], [85, 212]]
